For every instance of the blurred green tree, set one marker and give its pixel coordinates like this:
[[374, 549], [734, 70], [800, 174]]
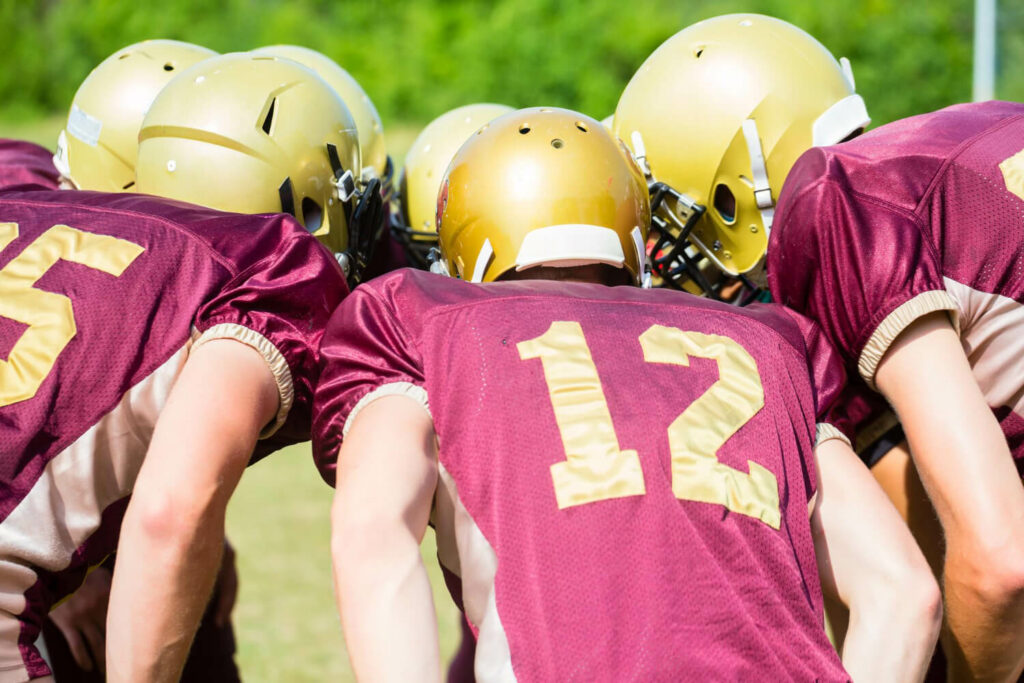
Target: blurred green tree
[[418, 58]]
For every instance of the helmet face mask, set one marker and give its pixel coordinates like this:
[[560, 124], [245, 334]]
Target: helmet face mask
[[420, 245], [767, 92], [542, 187]]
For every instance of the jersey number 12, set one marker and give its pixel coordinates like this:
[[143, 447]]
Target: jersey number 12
[[596, 469]]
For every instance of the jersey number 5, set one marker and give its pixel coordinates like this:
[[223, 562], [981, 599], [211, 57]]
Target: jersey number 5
[[596, 468], [49, 316]]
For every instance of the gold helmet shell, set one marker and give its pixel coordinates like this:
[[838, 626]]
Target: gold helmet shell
[[428, 158], [254, 134], [97, 148], [718, 115], [371, 132], [541, 186]]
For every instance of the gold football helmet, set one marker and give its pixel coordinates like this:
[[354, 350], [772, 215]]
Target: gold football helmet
[[260, 134], [541, 187], [375, 161], [97, 148], [425, 164], [717, 116]]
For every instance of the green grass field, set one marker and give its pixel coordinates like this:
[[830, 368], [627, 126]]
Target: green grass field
[[285, 620], [286, 624]]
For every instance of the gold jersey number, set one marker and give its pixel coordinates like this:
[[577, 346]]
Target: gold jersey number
[[596, 468], [49, 316]]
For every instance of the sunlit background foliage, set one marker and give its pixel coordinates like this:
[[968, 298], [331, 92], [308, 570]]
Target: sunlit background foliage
[[418, 58]]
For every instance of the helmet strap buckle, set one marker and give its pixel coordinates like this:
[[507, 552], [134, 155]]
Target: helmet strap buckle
[[346, 186]]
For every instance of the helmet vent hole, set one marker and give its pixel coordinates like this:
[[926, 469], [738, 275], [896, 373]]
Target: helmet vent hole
[[268, 120], [557, 144], [312, 214], [128, 185], [725, 203], [168, 67], [126, 55], [582, 127], [698, 51], [524, 129]]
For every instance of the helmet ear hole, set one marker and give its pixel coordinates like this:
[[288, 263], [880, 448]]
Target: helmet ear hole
[[725, 203], [312, 214]]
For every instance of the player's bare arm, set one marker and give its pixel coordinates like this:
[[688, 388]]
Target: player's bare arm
[[173, 532], [386, 477], [965, 465], [869, 561]]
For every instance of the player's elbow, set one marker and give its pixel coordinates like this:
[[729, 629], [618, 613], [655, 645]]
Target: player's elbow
[[926, 605], [906, 596], [166, 519], [996, 575]]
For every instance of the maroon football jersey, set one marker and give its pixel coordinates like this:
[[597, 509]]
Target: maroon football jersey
[[26, 163], [101, 299], [917, 216], [625, 474]]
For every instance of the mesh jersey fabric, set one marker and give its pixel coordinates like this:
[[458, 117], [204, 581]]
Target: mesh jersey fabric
[[635, 587]]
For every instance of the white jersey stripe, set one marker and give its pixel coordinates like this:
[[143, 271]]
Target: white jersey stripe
[[476, 564], [65, 506], [992, 334]]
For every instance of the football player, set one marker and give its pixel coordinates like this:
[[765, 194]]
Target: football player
[[137, 328], [420, 180], [622, 481], [903, 244], [117, 93]]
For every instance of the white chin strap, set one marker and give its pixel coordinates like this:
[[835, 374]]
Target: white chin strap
[[762, 188], [643, 265], [482, 260], [835, 124]]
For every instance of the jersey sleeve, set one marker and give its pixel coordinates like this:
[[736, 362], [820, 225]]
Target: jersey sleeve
[[862, 269], [828, 380], [366, 354], [280, 306], [26, 164]]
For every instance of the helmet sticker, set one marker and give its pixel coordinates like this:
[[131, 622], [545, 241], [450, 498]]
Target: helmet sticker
[[83, 126]]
